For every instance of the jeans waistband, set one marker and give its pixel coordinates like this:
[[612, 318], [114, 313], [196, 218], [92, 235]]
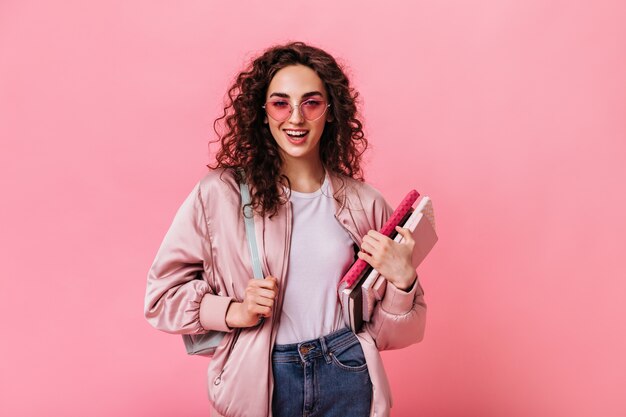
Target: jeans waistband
[[335, 342]]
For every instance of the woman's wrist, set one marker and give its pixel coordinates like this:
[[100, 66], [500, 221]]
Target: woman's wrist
[[236, 316], [233, 314], [406, 283]]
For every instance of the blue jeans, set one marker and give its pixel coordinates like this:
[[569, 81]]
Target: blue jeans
[[321, 377]]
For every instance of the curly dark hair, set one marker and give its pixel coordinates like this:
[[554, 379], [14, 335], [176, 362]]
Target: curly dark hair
[[248, 143]]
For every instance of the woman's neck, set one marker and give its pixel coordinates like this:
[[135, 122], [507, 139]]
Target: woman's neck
[[305, 176]]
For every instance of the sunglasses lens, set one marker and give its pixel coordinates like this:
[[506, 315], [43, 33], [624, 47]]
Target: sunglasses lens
[[312, 109], [278, 110]]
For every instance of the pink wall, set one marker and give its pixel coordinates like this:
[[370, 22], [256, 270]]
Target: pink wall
[[509, 114]]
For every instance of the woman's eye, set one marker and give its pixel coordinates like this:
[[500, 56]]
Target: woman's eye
[[279, 103], [312, 103]]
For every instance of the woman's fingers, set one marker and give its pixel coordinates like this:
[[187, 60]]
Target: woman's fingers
[[374, 235], [261, 295], [263, 283], [265, 297], [366, 247], [369, 240], [406, 234], [367, 258], [381, 248], [371, 245]]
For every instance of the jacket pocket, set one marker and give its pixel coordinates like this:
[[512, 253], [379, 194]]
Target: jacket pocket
[[237, 381], [224, 360]]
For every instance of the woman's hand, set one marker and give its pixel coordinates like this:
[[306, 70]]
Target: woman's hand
[[258, 302], [390, 258]]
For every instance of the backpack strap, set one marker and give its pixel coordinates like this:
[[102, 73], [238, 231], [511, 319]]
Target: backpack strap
[[249, 222]]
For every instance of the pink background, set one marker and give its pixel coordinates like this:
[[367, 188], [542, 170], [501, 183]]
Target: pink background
[[509, 114]]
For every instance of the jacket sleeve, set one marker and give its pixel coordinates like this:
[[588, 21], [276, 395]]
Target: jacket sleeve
[[399, 319], [178, 296]]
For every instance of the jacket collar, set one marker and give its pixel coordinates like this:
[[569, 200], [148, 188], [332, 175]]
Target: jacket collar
[[342, 189], [274, 235], [337, 187]]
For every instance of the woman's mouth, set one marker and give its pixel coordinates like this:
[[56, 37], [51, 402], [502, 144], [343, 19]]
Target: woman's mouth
[[296, 136]]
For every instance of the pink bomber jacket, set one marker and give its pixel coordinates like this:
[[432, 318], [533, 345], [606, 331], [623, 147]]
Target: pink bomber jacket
[[204, 263]]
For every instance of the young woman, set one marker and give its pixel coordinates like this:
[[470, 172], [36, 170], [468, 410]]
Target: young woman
[[291, 125]]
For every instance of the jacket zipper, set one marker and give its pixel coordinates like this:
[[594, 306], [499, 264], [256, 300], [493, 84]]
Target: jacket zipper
[[281, 294], [218, 378], [286, 259]]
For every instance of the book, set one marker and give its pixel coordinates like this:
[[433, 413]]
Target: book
[[349, 288], [421, 223]]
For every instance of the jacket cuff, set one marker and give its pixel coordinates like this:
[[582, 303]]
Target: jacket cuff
[[396, 301], [213, 312]]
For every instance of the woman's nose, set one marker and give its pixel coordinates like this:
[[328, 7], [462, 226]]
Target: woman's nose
[[295, 116]]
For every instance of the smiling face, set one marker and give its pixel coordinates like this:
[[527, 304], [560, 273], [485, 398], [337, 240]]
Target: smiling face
[[297, 84]]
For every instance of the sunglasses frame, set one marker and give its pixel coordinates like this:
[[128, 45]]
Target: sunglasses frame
[[297, 105]]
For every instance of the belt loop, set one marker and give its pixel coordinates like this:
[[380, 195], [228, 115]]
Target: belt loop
[[325, 349], [303, 349]]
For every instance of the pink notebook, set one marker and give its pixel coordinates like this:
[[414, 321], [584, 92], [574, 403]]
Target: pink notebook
[[359, 266]]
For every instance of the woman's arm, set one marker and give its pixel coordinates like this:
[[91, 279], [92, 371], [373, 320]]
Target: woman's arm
[[399, 319], [178, 297]]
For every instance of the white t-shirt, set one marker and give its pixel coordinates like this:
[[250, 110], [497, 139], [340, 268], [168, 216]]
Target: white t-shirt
[[321, 252]]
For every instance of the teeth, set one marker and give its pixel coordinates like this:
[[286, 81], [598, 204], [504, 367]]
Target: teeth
[[295, 133]]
